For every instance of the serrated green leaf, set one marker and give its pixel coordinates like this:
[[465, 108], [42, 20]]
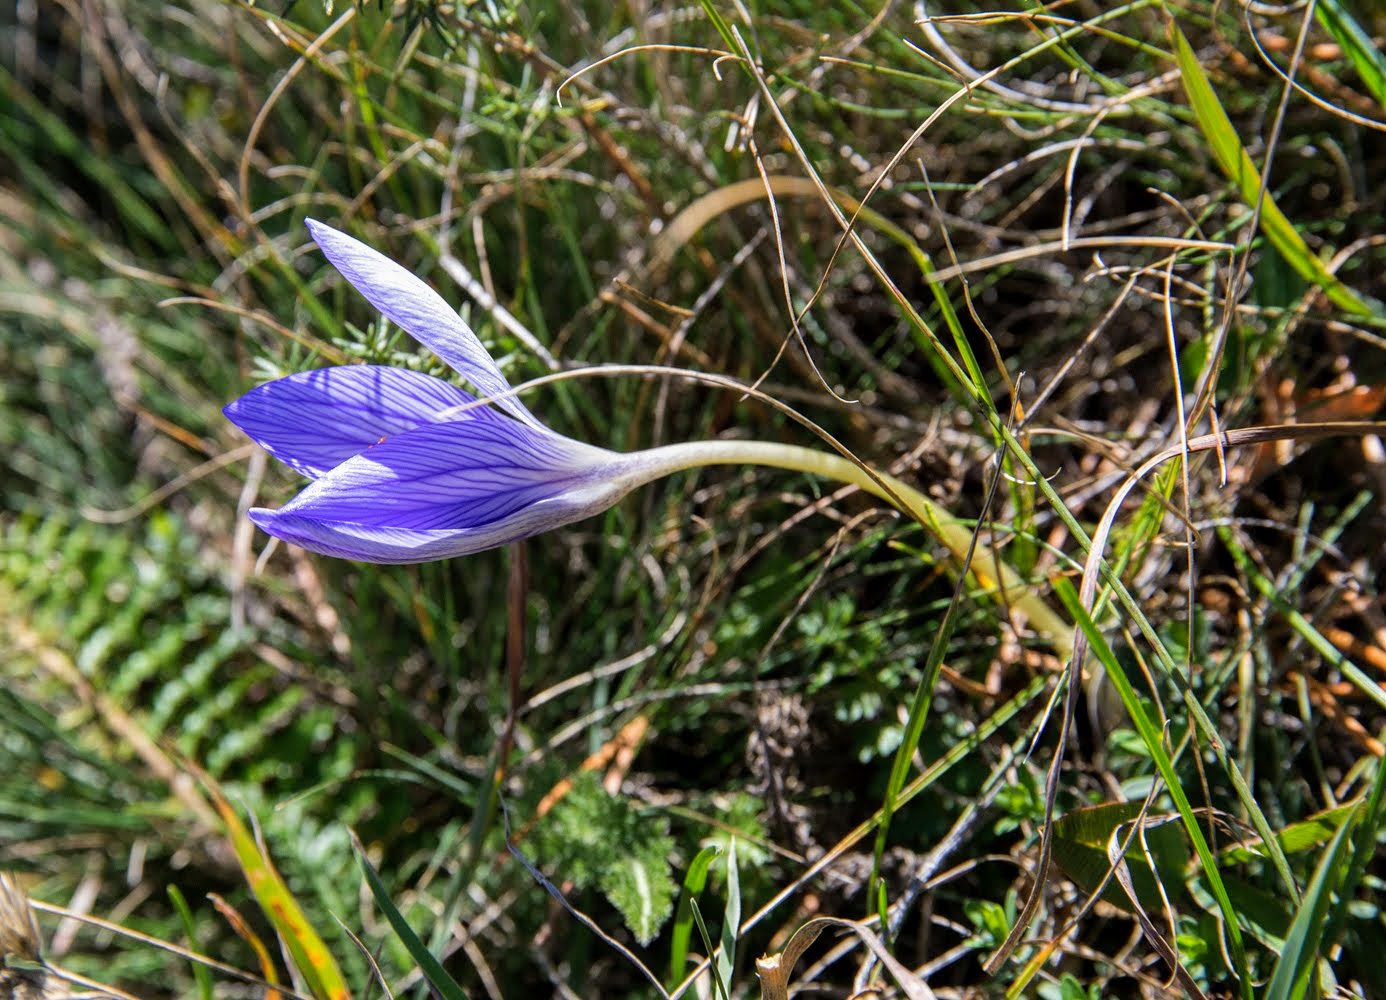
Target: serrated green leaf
[[602, 840], [641, 887]]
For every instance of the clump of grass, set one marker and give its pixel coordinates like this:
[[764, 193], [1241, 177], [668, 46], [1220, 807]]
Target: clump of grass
[[1010, 256]]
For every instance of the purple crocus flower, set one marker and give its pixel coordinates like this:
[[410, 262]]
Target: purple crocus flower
[[399, 476]]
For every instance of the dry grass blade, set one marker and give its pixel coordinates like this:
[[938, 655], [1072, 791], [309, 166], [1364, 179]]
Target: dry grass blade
[[23, 974], [19, 932], [247, 934], [310, 954], [775, 970], [1116, 857], [168, 946]]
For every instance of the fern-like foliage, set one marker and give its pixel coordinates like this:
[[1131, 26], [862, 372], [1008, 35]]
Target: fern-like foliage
[[602, 840], [129, 620]]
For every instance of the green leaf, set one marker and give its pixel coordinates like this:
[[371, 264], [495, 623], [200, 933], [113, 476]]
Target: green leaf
[[445, 986], [1290, 979], [991, 920], [1264, 914], [1080, 849], [693, 883], [731, 920], [1364, 851], [1366, 58], [641, 888], [1317, 829], [1236, 163]]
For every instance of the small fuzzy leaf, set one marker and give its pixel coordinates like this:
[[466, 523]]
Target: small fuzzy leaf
[[641, 888], [598, 839]]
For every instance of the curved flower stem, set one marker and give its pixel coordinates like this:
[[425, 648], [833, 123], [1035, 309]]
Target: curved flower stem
[[951, 531]]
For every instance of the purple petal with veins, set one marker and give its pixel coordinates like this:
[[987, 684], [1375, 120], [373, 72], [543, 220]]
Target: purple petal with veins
[[413, 306], [399, 476], [449, 489], [315, 421]]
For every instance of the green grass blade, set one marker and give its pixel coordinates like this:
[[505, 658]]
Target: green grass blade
[[693, 883], [719, 989], [200, 973], [1236, 163], [432, 969], [1271, 592], [443, 777], [720, 23], [914, 729], [1357, 45], [1154, 743], [1364, 851], [1300, 954]]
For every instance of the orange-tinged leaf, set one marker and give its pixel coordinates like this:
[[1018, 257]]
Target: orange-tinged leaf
[[243, 929], [314, 962]]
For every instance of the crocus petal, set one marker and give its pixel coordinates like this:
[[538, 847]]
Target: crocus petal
[[449, 489], [413, 306], [465, 475], [315, 421], [376, 544], [359, 542]]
